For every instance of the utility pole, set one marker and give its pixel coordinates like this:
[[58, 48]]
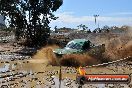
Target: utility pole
[[95, 16]]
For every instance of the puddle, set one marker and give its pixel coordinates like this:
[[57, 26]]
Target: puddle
[[57, 83], [4, 68], [12, 56], [23, 74]]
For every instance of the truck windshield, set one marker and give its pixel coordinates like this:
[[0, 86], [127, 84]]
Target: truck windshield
[[73, 45]]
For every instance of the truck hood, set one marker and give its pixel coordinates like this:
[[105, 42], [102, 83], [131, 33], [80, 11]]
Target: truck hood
[[66, 51]]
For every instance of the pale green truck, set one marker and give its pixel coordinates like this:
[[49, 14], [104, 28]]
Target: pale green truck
[[78, 46]]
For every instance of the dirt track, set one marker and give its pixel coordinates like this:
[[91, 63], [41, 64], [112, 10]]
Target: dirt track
[[28, 73], [23, 74]]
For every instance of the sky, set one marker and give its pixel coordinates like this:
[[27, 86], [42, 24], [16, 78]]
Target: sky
[[111, 12]]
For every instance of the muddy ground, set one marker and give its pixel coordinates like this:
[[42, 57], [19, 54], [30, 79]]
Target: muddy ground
[[19, 70], [26, 72], [23, 74]]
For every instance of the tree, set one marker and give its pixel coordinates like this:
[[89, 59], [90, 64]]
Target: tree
[[81, 26], [55, 29], [89, 31], [30, 18], [106, 29], [94, 31], [99, 30]]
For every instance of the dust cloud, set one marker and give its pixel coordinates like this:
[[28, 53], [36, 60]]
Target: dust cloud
[[120, 47], [115, 48], [45, 55], [77, 60]]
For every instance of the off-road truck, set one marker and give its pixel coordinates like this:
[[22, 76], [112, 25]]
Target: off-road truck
[[79, 46]]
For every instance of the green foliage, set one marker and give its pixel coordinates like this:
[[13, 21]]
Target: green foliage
[[89, 31], [24, 16], [81, 26]]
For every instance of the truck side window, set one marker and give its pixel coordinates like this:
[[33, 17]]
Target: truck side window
[[86, 45]]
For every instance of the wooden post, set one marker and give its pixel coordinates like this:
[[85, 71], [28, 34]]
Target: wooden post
[[60, 77]]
